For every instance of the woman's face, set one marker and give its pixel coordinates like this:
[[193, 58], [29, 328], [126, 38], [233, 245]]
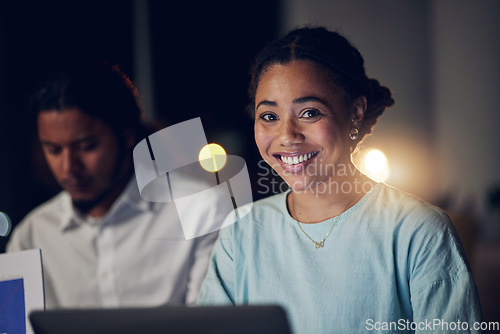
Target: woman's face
[[302, 125]]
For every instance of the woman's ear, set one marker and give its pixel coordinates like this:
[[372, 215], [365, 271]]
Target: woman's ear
[[357, 112]]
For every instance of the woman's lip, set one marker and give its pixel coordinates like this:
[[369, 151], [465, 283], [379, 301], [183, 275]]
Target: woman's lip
[[295, 162], [294, 158]]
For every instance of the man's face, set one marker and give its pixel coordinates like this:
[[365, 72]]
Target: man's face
[[81, 152]]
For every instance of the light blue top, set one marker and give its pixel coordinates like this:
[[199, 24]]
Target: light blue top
[[392, 263]]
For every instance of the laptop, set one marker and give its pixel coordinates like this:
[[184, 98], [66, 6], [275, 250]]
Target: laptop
[[268, 319]]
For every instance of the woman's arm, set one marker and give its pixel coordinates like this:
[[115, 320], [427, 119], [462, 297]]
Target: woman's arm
[[218, 285], [443, 294]]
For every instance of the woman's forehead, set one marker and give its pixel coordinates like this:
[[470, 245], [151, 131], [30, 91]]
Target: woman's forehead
[[298, 79]]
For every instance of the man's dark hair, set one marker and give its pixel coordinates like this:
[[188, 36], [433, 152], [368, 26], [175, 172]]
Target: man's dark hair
[[97, 89]]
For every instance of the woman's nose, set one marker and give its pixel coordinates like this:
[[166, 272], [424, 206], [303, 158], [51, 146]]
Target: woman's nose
[[290, 133]]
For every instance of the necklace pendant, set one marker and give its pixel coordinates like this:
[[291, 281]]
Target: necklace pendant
[[320, 244]]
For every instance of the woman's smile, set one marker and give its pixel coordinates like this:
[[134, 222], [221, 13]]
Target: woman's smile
[[302, 122], [295, 162]]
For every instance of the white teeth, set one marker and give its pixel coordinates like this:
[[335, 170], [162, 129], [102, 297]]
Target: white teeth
[[297, 159]]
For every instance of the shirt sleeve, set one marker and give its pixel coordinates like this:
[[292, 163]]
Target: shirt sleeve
[[450, 305], [218, 285], [19, 239], [198, 269], [443, 294], [213, 215]]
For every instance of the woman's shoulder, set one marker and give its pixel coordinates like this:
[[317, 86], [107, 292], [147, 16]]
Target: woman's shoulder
[[268, 212], [403, 206], [390, 213], [273, 203], [420, 232]]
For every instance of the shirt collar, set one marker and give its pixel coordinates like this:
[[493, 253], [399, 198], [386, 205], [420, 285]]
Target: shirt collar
[[67, 212], [130, 196]]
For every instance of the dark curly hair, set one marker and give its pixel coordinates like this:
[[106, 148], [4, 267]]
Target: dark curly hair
[[335, 53]]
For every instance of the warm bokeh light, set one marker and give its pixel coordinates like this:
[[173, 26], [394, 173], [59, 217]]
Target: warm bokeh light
[[375, 165], [212, 157]]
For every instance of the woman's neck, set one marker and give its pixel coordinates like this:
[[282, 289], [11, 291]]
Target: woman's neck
[[314, 206]]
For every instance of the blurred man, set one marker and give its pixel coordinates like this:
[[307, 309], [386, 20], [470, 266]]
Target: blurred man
[[102, 245]]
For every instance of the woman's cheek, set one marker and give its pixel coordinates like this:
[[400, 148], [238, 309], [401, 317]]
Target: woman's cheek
[[260, 138]]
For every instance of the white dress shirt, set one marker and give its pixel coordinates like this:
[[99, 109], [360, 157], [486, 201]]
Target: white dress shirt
[[136, 255]]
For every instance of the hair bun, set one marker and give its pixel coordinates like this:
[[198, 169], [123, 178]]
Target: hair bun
[[378, 98]]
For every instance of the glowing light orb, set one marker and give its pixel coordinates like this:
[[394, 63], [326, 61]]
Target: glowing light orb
[[376, 165], [212, 157], [5, 225]]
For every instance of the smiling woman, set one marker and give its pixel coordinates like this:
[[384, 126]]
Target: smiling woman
[[302, 114], [337, 250]]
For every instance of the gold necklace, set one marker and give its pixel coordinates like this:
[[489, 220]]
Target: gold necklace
[[321, 243]]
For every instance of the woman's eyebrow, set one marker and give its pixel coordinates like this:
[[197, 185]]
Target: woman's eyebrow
[[308, 99], [296, 101], [266, 103]]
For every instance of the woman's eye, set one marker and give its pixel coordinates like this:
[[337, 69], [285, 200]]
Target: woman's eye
[[268, 117], [310, 113]]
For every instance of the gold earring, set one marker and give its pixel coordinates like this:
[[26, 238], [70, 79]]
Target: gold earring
[[354, 135]]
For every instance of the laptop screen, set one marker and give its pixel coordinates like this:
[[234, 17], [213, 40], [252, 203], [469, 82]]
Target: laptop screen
[[165, 320]]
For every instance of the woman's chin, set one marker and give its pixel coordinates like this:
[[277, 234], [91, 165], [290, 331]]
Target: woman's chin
[[300, 185]]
